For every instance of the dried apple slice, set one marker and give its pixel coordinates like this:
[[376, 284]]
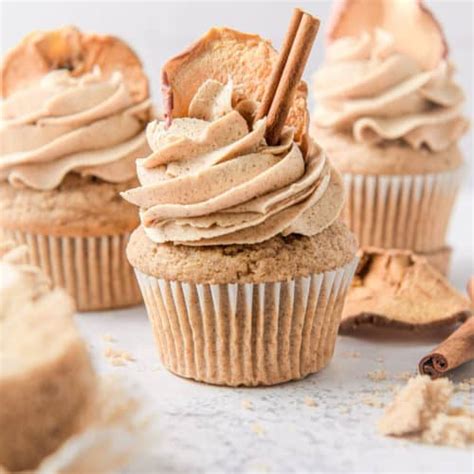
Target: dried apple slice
[[224, 54], [397, 288], [43, 51], [415, 29]]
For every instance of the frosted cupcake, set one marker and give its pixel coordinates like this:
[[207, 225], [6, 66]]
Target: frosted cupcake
[[73, 116], [47, 382], [240, 258], [389, 117]]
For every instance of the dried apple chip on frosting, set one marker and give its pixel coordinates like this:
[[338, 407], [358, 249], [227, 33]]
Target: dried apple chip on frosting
[[223, 53], [68, 48], [211, 178], [73, 102], [387, 78]]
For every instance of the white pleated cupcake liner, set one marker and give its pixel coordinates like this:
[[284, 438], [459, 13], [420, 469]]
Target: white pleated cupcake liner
[[401, 211], [93, 270], [247, 334]]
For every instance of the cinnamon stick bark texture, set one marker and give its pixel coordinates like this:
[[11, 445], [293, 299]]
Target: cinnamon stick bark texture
[[456, 350], [277, 71], [291, 75]]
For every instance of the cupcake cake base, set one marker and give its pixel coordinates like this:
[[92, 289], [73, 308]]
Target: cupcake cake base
[[77, 234], [396, 196], [264, 328]]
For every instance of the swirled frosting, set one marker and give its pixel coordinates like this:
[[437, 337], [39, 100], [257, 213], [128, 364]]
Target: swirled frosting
[[211, 178], [368, 88], [88, 125]]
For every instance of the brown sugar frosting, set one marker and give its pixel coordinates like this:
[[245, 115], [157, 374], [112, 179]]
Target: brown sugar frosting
[[382, 95], [211, 179], [58, 124]]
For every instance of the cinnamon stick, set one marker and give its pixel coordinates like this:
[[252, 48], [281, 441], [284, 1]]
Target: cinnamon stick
[[291, 74], [454, 351], [277, 72]]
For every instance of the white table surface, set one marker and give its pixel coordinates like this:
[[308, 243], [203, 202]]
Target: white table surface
[[206, 429]]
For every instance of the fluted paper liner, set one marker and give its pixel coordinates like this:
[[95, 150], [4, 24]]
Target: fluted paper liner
[[247, 334], [402, 211], [93, 270]]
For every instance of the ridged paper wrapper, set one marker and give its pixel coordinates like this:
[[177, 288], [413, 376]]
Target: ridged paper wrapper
[[247, 334], [93, 270]]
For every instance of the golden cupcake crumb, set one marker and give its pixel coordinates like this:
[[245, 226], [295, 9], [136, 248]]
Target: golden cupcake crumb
[[377, 375], [421, 411], [247, 404], [258, 429], [310, 402]]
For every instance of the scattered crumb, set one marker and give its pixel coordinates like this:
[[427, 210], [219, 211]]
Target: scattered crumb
[[351, 354], [118, 357], [343, 409], [108, 338], [421, 411], [462, 387], [377, 375], [392, 387], [258, 429], [310, 402], [404, 376], [467, 401], [247, 404], [372, 400]]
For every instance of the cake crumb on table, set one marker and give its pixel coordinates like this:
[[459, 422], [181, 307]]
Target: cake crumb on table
[[351, 354], [247, 404], [462, 387], [258, 429], [310, 402], [404, 376], [108, 338], [421, 411], [372, 400], [344, 409], [118, 357], [377, 375]]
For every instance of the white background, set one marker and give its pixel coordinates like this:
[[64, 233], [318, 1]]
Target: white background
[[208, 429]]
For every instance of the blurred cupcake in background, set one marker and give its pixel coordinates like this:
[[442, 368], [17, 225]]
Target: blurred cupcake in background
[[240, 257], [74, 111], [389, 117]]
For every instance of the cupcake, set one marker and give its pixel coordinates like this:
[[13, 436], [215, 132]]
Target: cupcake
[[74, 112], [389, 117], [240, 258], [47, 382]]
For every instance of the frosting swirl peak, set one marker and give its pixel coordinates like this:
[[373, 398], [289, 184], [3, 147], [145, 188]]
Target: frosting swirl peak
[[61, 124], [379, 94], [211, 178]]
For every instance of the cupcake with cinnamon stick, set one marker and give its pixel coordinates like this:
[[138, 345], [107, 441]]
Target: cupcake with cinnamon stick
[[389, 116], [242, 263], [74, 112]]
